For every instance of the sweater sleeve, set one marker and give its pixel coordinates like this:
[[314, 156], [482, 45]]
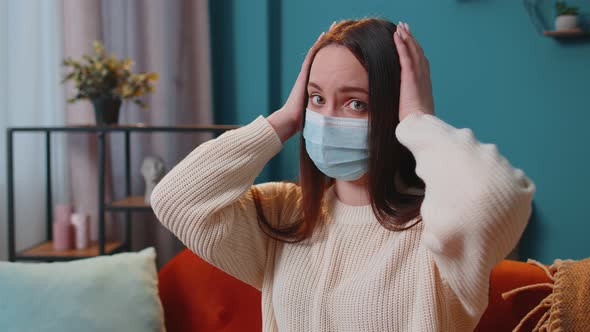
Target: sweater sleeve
[[475, 208], [205, 200]]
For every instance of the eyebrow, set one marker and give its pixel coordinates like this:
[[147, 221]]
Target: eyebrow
[[343, 89]]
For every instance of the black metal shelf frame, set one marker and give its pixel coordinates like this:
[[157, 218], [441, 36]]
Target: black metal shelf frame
[[101, 132]]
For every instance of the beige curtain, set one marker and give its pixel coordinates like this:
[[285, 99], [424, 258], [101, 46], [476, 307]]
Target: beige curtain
[[168, 37]]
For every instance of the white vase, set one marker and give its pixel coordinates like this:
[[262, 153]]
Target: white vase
[[566, 22], [81, 222]]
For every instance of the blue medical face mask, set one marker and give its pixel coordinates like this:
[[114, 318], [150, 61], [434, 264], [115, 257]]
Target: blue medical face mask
[[337, 146]]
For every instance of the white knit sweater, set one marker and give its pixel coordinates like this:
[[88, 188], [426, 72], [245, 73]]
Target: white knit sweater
[[353, 274]]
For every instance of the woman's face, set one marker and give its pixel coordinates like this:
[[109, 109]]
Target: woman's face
[[338, 84]]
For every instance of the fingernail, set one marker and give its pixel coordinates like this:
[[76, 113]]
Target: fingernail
[[333, 24], [321, 35]]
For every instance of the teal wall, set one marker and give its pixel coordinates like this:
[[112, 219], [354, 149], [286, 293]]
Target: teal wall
[[240, 53], [491, 71]]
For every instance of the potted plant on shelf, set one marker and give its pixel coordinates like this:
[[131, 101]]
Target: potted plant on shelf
[[106, 81], [567, 17]]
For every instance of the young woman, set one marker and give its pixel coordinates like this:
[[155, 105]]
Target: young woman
[[397, 219]]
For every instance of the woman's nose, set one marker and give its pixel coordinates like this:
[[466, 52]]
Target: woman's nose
[[330, 110]]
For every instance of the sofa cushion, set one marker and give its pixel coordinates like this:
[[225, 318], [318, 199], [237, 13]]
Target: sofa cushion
[[105, 293]]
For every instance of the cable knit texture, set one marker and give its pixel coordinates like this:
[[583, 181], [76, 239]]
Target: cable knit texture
[[352, 274]]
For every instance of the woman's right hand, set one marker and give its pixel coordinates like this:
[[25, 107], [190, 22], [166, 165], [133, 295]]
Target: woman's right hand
[[416, 85], [288, 119]]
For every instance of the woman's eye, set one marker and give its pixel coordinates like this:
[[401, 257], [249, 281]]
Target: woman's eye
[[357, 105], [317, 99]]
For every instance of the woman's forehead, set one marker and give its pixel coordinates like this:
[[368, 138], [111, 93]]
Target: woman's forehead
[[335, 65]]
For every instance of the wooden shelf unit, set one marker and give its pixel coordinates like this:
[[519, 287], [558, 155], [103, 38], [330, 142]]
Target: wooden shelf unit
[[44, 251]]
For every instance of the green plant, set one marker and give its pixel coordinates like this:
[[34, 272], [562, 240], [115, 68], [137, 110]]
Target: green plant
[[563, 9], [103, 75]]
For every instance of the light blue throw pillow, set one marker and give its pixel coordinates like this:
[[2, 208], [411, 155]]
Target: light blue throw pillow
[[105, 293]]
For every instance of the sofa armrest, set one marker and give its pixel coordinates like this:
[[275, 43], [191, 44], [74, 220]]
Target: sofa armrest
[[504, 315], [200, 297]]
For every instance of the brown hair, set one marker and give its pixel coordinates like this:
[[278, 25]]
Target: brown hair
[[371, 41]]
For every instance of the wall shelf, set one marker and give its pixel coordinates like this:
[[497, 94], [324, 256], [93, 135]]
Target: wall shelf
[[537, 15], [575, 33]]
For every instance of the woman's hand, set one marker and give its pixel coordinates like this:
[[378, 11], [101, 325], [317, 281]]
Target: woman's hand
[[416, 86], [288, 119]]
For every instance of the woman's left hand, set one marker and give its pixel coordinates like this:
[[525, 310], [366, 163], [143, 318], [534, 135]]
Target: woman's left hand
[[416, 86]]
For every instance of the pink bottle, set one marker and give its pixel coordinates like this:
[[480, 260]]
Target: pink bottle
[[62, 212]]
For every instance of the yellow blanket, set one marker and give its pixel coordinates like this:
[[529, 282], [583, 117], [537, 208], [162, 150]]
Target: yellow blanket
[[568, 305]]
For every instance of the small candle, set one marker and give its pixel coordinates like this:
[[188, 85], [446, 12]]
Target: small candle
[[63, 235], [81, 222]]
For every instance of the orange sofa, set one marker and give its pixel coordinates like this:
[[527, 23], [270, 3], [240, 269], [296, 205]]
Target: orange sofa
[[199, 297]]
